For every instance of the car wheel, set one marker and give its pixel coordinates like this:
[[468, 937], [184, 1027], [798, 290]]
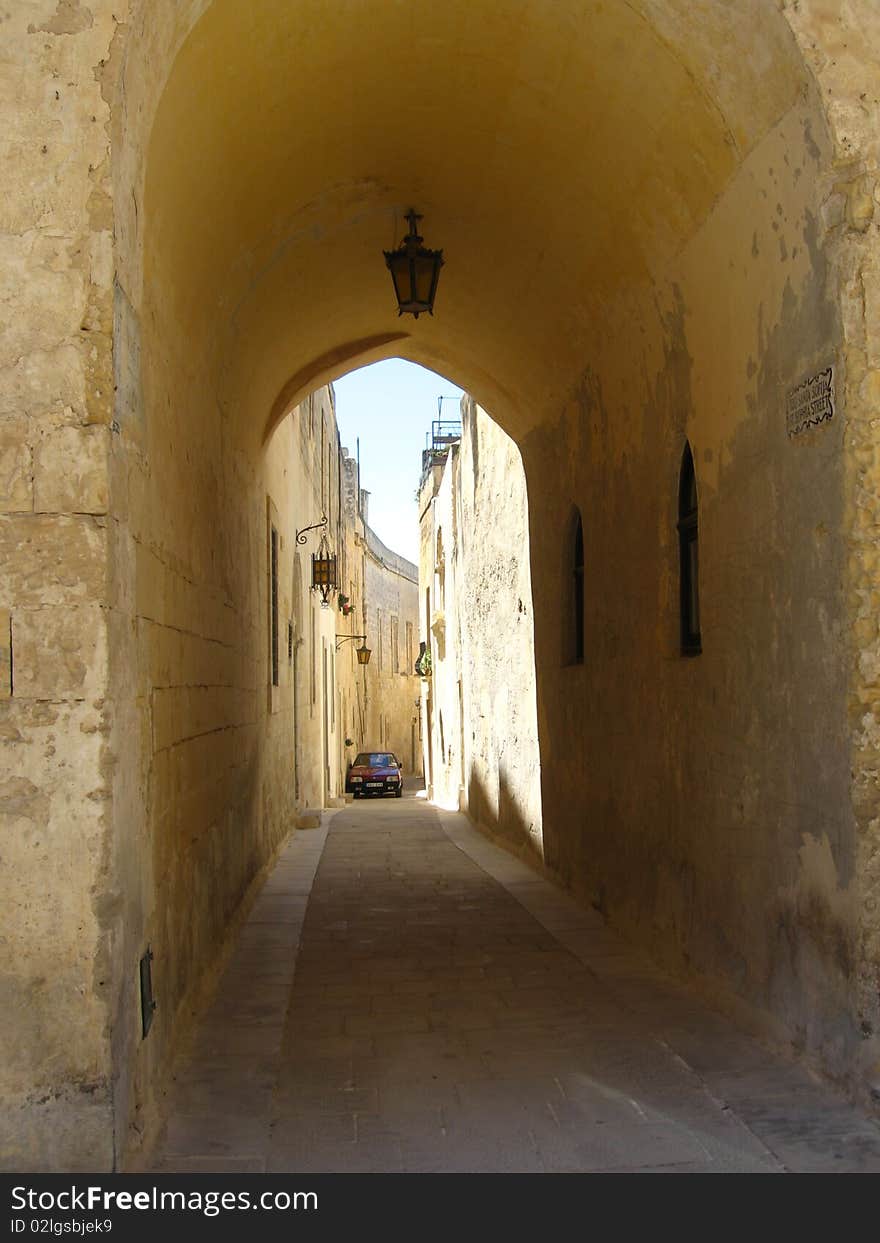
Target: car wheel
[[398, 793]]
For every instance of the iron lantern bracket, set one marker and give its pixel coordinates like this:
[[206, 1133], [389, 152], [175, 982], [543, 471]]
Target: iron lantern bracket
[[344, 638], [301, 536]]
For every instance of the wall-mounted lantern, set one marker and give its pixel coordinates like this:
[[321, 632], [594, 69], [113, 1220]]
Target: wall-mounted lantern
[[363, 652], [415, 271], [323, 562], [324, 572]]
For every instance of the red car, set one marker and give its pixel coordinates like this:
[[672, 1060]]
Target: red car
[[374, 772]]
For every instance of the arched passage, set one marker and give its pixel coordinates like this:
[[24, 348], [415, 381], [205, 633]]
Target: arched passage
[[649, 234], [557, 171]]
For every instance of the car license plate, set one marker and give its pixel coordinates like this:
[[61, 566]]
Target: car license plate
[[375, 785]]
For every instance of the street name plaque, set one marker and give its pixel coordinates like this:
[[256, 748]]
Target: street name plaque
[[811, 403]]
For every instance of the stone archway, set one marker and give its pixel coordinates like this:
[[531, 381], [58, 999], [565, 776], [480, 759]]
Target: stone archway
[[656, 224]]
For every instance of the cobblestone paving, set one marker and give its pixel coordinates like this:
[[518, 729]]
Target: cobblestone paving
[[452, 1011]]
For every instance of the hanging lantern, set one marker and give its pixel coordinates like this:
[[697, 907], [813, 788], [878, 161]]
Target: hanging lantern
[[324, 572], [415, 271], [363, 652]]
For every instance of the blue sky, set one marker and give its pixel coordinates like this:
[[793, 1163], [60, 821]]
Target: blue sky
[[390, 405]]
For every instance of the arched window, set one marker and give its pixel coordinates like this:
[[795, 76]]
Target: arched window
[[577, 589], [688, 544]]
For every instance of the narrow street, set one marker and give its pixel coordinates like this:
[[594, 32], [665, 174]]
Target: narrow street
[[405, 996]]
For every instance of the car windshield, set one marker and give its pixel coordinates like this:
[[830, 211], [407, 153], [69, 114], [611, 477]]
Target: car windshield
[[375, 759]]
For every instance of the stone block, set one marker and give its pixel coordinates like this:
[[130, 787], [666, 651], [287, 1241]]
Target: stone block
[[16, 470], [70, 471], [50, 294], [50, 560], [44, 380], [59, 653]]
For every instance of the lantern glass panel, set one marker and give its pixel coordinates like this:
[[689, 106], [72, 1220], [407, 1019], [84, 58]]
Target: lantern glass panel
[[324, 572], [423, 281], [399, 266]]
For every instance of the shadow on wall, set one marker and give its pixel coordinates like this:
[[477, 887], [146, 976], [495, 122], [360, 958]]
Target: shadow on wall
[[508, 827]]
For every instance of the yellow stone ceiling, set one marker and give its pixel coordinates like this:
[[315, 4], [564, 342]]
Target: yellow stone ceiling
[[559, 153]]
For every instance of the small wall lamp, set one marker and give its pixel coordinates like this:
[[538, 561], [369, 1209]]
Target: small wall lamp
[[363, 652]]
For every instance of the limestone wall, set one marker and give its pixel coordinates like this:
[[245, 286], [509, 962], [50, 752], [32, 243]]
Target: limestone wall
[[442, 718], [842, 49], [392, 631], [480, 698], [232, 747], [59, 914], [702, 802], [496, 621]]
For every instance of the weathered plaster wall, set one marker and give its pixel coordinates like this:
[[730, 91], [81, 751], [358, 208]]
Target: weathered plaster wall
[[227, 757], [318, 486], [59, 922], [494, 605], [703, 803], [392, 599], [478, 705], [841, 44], [442, 718], [377, 700], [353, 694]]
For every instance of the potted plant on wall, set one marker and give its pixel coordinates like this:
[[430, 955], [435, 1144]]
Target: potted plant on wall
[[423, 661], [345, 605]]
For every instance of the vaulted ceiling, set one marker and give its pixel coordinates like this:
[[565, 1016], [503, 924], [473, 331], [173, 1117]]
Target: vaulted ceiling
[[560, 154]]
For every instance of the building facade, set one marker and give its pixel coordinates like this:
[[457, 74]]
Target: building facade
[[382, 712], [479, 716]]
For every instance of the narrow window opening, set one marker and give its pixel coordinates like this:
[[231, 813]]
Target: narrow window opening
[[578, 591], [148, 1001], [689, 562], [274, 605]]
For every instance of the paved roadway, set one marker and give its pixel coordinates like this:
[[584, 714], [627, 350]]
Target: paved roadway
[[405, 996]]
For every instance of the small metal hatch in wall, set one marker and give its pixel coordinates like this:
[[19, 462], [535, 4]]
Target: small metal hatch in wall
[[148, 1004]]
